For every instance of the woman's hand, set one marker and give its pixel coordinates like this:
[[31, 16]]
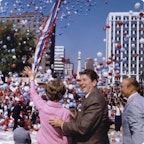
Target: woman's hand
[[29, 72]]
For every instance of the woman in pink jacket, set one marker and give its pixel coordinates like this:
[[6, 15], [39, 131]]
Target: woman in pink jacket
[[55, 89]]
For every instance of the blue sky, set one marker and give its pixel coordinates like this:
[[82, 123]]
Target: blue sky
[[86, 32], [80, 22]]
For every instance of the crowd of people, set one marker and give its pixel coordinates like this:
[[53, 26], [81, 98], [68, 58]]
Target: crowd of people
[[90, 111]]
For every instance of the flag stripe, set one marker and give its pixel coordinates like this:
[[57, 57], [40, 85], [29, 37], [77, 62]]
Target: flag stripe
[[45, 37]]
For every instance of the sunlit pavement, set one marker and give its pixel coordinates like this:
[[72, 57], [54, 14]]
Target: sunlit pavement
[[6, 137]]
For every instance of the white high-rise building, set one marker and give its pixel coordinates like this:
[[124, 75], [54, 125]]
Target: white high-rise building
[[125, 45], [59, 54], [78, 63]]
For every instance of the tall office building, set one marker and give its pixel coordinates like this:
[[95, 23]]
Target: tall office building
[[78, 63], [125, 45], [59, 55], [89, 64], [34, 22]]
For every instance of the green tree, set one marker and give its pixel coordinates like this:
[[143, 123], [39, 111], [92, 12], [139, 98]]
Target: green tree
[[16, 48]]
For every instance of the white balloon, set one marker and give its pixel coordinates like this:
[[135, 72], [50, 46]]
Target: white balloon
[[41, 28], [95, 59], [100, 77], [40, 68], [105, 74], [142, 19], [109, 77], [137, 5], [14, 57], [70, 86], [26, 88], [130, 12], [99, 54], [98, 67], [133, 45], [49, 71], [103, 58], [141, 40], [31, 104]]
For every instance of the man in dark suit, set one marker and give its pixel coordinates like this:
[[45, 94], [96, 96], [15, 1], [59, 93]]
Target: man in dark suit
[[133, 114], [16, 112], [91, 123]]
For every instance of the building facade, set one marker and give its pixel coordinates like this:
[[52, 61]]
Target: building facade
[[89, 64], [59, 54], [125, 45]]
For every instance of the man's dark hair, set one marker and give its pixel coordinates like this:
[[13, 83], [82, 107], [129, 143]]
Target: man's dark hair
[[21, 122], [90, 73]]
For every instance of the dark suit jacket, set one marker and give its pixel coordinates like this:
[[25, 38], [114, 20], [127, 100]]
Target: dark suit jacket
[[16, 111], [91, 124]]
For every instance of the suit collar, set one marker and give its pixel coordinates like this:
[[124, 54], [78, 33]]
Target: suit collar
[[132, 96], [130, 100]]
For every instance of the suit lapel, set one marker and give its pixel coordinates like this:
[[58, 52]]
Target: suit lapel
[[129, 101]]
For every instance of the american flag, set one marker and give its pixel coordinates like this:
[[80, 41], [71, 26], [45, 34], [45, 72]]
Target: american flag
[[45, 36]]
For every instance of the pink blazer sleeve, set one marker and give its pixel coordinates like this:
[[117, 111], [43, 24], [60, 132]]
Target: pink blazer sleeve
[[37, 100]]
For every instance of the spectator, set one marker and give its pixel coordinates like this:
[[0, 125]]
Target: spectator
[[21, 136], [55, 89], [133, 114], [118, 113], [91, 123], [16, 112]]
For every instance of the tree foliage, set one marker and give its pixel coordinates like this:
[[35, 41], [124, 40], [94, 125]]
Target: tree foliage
[[16, 48]]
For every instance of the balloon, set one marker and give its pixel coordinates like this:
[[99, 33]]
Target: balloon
[[13, 50], [13, 65], [8, 38], [119, 46], [70, 86], [99, 54], [110, 73], [100, 63], [103, 58], [3, 60], [130, 12], [117, 76], [105, 74], [14, 57], [124, 33], [133, 45], [26, 88], [31, 104], [40, 68], [120, 23], [5, 86], [74, 75], [4, 46], [141, 40], [141, 14], [9, 80], [1, 93], [137, 5], [25, 94], [72, 104], [122, 49], [108, 62]]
